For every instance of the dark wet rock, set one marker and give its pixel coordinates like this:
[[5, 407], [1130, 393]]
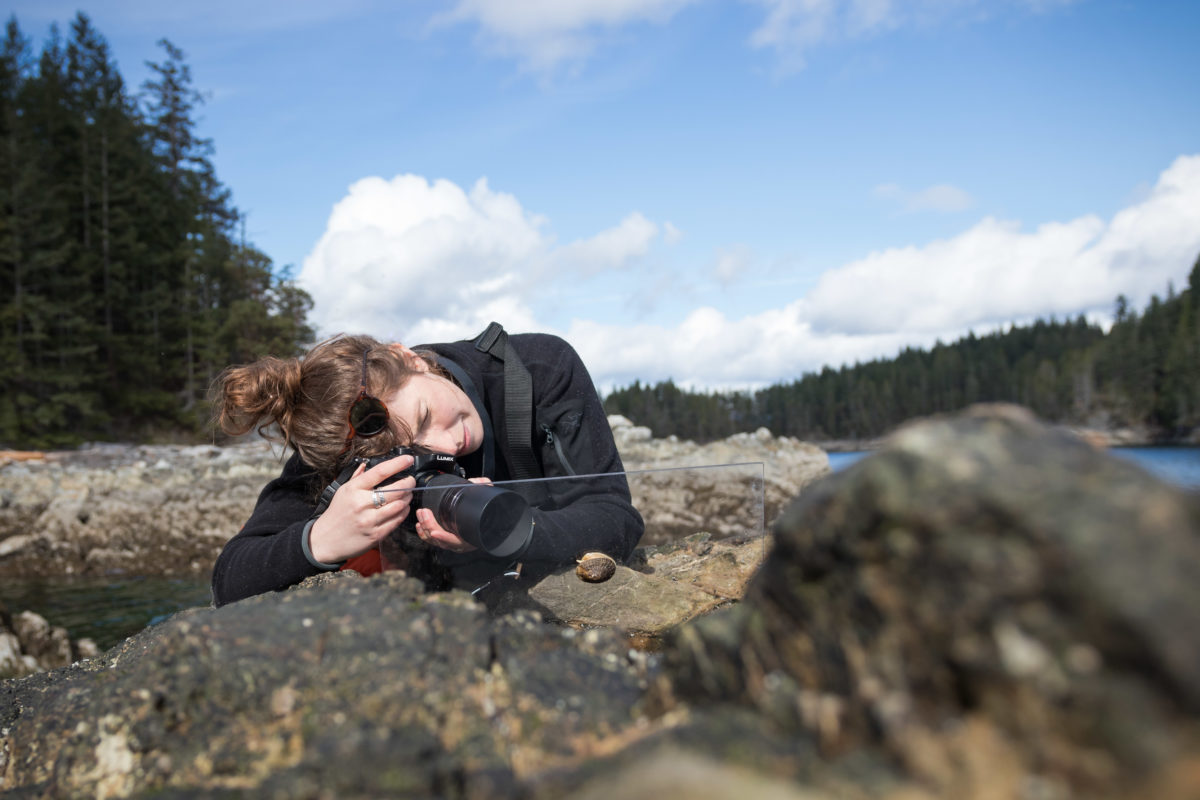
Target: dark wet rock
[[995, 603], [342, 688]]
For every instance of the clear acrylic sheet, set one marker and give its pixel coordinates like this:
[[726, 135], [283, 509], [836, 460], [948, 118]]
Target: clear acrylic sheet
[[724, 501]]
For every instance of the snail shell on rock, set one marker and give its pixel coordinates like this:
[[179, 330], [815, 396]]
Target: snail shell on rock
[[596, 567]]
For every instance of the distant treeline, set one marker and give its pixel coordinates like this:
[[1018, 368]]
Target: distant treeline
[[125, 285], [1144, 371]]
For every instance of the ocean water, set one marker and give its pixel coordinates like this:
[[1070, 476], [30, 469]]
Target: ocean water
[[106, 610], [1179, 465]]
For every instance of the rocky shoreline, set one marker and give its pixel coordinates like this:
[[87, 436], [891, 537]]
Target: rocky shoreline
[[163, 510], [167, 511], [987, 607]]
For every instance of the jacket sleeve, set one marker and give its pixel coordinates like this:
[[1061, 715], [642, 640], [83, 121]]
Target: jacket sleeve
[[572, 438], [267, 554]]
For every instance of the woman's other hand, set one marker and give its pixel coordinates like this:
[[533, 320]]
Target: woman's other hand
[[432, 533]]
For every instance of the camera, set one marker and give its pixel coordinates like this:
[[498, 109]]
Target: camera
[[497, 521]]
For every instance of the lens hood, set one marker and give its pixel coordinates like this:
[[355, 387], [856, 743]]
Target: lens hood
[[497, 521]]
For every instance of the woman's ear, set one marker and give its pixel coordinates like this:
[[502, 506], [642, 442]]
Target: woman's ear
[[411, 359]]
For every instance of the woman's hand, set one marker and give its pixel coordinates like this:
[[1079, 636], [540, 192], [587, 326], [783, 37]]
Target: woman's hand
[[434, 534], [357, 517]]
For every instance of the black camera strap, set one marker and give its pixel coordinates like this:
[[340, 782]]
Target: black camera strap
[[331, 489], [518, 400]]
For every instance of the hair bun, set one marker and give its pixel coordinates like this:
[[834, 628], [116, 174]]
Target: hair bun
[[257, 395]]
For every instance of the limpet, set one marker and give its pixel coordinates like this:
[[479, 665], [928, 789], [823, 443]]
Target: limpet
[[596, 567]]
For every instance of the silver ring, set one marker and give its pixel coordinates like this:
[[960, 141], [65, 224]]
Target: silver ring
[[377, 499]]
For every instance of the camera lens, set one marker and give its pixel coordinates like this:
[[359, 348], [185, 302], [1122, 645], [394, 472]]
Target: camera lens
[[497, 521]]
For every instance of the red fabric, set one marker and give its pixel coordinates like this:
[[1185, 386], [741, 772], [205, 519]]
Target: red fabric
[[369, 563]]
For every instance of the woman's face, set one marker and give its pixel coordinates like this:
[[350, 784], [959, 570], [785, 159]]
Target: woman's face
[[440, 415]]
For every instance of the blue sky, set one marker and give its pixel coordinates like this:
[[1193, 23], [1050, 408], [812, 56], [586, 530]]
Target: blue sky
[[725, 192]]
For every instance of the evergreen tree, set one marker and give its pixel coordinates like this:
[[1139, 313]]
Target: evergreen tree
[[124, 288], [18, 181], [200, 216]]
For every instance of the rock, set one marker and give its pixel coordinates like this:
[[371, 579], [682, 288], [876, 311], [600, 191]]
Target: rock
[[680, 773], [625, 432], [983, 585], [29, 644], [664, 586], [68, 508], [102, 508], [629, 601], [342, 687], [727, 501], [50, 646], [14, 544], [13, 662]]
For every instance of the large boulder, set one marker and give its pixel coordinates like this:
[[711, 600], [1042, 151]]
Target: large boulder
[[1002, 608]]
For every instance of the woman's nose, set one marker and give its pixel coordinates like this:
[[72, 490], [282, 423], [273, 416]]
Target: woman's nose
[[439, 442]]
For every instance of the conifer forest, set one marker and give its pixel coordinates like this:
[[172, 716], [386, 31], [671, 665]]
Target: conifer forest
[[1144, 372], [128, 285]]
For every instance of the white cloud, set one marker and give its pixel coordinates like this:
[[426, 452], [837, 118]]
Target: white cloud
[[732, 263], [546, 33], [942, 198], [709, 350], [995, 272], [403, 253], [420, 261], [610, 249], [792, 28]]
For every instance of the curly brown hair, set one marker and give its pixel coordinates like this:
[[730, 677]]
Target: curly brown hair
[[304, 402]]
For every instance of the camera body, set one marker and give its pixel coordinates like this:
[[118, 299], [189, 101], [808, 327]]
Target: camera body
[[425, 465], [495, 520]]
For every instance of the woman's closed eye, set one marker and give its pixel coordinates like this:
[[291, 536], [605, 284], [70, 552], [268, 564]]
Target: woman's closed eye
[[422, 428]]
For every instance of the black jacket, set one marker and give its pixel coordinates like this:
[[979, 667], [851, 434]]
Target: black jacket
[[570, 435]]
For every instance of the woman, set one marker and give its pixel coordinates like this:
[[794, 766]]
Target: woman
[[354, 397]]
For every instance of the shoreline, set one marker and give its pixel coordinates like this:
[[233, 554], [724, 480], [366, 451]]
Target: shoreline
[[1104, 438]]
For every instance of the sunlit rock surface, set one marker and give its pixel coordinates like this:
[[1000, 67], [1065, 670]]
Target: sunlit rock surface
[[146, 510]]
